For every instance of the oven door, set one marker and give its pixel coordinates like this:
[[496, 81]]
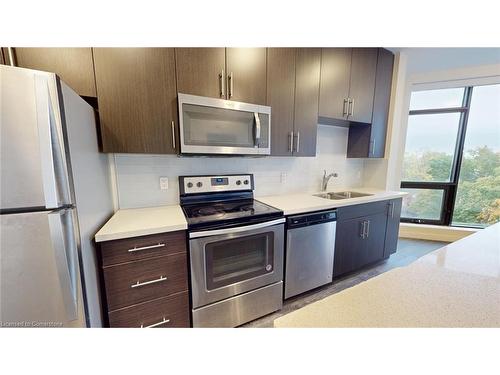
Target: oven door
[[218, 126], [227, 262]]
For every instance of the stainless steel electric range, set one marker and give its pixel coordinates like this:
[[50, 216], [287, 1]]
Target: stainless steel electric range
[[236, 247]]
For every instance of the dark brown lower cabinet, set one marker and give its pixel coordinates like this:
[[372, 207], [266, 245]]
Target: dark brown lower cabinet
[[366, 233], [145, 281]]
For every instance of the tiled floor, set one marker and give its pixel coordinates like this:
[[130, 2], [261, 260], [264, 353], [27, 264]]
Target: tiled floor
[[408, 251]]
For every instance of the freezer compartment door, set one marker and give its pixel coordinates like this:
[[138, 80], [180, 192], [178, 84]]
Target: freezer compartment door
[[40, 281], [33, 169]]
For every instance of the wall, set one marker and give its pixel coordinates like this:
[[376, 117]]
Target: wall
[[137, 176]]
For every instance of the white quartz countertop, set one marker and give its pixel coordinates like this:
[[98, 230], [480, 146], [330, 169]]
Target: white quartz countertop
[[135, 222], [292, 204], [455, 286]]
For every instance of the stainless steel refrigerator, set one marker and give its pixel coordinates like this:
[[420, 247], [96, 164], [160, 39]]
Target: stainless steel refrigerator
[[55, 194]]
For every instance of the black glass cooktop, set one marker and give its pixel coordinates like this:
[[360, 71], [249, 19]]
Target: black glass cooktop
[[228, 212]]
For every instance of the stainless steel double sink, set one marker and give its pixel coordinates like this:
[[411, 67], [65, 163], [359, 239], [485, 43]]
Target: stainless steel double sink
[[342, 195]]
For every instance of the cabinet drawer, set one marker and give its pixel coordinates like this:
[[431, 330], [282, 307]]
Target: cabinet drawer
[[359, 210], [172, 310], [141, 281], [144, 247]]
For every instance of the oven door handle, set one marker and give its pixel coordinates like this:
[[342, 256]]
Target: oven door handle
[[245, 228]]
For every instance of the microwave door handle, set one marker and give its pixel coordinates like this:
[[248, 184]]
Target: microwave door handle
[[257, 129]]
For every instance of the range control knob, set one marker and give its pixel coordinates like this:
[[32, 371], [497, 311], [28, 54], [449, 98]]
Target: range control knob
[[189, 184], [199, 184], [245, 182], [238, 182]]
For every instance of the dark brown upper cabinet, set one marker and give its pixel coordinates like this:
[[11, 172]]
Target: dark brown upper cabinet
[[281, 98], [293, 92], [347, 84], [246, 74], [334, 86], [137, 98], [307, 76], [368, 140], [73, 65], [201, 71], [229, 73], [362, 84]]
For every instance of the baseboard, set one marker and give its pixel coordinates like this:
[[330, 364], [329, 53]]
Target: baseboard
[[434, 232]]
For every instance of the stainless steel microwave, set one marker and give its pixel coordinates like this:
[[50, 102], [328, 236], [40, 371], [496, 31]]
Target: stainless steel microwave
[[223, 127]]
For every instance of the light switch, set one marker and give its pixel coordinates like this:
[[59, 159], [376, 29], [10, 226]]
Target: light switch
[[283, 177], [164, 183]]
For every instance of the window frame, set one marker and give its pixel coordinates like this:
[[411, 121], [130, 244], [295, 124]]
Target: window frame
[[449, 188]]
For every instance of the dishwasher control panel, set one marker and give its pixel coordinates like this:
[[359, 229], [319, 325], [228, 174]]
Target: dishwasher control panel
[[311, 218]]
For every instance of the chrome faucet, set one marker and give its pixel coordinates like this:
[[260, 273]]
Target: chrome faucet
[[326, 178]]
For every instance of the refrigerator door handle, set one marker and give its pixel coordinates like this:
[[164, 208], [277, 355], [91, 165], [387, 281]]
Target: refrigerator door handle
[[52, 158], [65, 252]]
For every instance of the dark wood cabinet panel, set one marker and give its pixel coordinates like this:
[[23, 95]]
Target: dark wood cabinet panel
[[144, 247], [137, 99], [281, 98], [362, 84], [349, 246], [166, 312], [119, 280], [368, 140], [335, 79], [375, 238], [381, 101], [246, 74], [74, 65], [307, 66], [199, 71], [366, 233], [392, 231]]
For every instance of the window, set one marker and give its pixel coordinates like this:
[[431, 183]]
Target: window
[[451, 166]]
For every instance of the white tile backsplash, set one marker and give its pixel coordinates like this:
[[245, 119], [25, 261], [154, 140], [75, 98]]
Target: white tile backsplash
[[138, 175]]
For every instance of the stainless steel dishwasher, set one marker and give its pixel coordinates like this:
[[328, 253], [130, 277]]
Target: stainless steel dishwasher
[[310, 246]]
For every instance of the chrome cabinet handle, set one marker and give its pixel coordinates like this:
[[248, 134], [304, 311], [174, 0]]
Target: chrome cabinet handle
[[138, 284], [392, 209], [160, 244], [367, 228], [173, 134], [257, 129], [345, 108], [372, 142], [297, 145], [362, 229], [222, 78], [290, 148], [350, 107], [230, 84], [164, 321]]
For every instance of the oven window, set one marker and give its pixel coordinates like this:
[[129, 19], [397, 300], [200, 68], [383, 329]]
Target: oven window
[[239, 259]]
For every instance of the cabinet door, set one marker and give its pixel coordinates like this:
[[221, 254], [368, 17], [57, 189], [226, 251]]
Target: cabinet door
[[307, 67], [362, 84], [73, 65], [281, 98], [246, 74], [375, 226], [334, 87], [200, 71], [392, 231], [349, 246], [137, 99], [383, 84]]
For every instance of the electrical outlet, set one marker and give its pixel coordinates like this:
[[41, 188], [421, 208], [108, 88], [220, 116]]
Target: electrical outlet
[[283, 177], [164, 183]]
